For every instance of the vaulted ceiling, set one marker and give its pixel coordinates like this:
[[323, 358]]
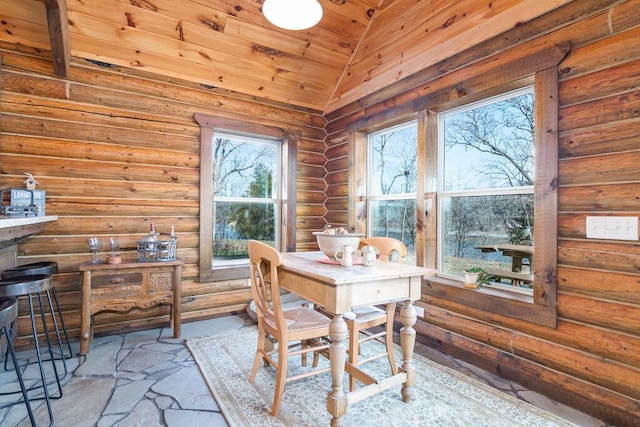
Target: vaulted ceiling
[[359, 47]]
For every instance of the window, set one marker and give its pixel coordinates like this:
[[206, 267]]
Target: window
[[468, 88], [486, 189], [392, 160], [244, 193], [538, 305]]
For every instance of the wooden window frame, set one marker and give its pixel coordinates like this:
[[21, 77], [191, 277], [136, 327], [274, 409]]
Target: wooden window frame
[[540, 308], [469, 84], [479, 192], [208, 126]]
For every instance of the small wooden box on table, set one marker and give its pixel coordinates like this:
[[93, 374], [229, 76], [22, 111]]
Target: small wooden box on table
[[130, 284]]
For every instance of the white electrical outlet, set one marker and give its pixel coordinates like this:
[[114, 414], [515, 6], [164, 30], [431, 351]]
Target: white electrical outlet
[[612, 227], [419, 311]]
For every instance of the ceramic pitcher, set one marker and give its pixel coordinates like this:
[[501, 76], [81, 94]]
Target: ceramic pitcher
[[368, 255], [345, 256]]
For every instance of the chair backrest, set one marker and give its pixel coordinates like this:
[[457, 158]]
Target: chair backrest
[[387, 247], [265, 288]]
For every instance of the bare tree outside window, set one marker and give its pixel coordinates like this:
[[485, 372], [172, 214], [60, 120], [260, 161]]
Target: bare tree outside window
[[494, 143], [244, 194], [392, 184], [233, 162]]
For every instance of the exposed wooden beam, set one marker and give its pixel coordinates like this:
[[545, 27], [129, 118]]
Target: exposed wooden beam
[[59, 35]]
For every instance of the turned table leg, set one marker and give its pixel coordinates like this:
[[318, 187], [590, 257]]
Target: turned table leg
[[337, 399], [408, 317]]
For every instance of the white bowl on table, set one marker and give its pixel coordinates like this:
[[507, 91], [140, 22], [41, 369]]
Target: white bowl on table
[[330, 244]]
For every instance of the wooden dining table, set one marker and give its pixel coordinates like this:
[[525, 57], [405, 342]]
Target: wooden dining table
[[339, 289]]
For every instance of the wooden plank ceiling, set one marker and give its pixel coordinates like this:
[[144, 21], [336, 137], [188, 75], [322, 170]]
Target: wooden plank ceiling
[[358, 48]]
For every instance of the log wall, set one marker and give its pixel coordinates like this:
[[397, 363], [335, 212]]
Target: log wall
[[591, 361], [117, 150]]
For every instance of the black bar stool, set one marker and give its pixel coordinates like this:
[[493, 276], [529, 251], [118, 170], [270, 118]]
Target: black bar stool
[[30, 287], [43, 267], [8, 315]]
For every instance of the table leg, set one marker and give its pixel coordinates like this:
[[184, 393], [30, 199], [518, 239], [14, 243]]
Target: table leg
[[408, 317], [177, 301], [85, 320], [516, 263], [337, 399]]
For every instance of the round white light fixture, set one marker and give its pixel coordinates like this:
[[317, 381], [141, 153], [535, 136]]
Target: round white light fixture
[[292, 14]]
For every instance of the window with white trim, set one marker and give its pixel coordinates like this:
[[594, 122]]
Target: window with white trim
[[486, 167], [246, 195], [391, 184]]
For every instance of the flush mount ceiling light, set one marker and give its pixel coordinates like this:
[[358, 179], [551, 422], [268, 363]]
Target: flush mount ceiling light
[[292, 14]]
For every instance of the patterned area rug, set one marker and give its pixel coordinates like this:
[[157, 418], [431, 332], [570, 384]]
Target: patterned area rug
[[441, 397]]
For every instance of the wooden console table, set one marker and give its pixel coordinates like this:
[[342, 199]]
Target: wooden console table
[[131, 284]]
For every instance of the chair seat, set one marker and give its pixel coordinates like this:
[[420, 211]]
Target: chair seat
[[288, 301], [368, 313], [43, 268], [301, 319], [35, 270], [26, 285]]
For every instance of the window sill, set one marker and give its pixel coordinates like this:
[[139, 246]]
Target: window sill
[[489, 300], [500, 291], [227, 272], [230, 262]]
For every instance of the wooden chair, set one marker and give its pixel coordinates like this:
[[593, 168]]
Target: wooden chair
[[302, 324], [367, 317]]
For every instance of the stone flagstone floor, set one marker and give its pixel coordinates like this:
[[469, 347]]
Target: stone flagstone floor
[[149, 379]]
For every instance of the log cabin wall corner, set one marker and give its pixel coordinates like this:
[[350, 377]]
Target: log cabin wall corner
[[117, 150], [590, 360]]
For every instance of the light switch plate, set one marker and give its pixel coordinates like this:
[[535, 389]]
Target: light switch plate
[[419, 311], [612, 227]]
